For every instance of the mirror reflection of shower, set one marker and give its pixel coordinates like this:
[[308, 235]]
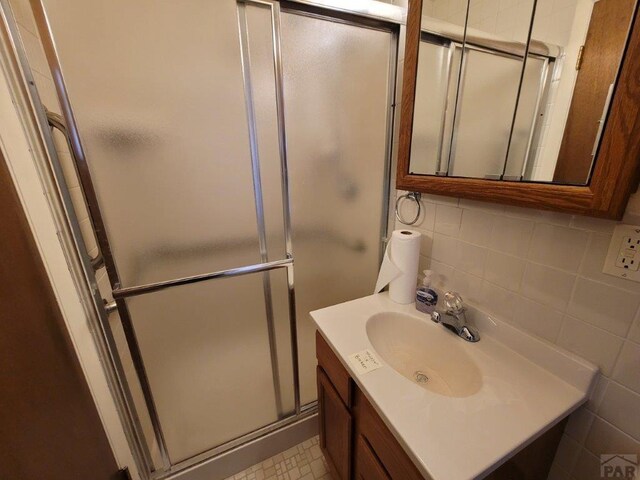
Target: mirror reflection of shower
[[506, 93]]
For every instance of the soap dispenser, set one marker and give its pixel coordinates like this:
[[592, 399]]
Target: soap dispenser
[[426, 297]]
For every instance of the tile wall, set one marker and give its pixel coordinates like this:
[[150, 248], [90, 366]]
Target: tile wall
[[46, 89], [542, 272]]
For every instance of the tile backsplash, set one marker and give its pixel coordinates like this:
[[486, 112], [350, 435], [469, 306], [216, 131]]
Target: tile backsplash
[[542, 272]]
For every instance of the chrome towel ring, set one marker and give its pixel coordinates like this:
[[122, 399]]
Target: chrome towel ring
[[415, 196]]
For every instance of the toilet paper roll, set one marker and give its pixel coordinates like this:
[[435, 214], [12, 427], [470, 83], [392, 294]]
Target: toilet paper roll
[[399, 267]]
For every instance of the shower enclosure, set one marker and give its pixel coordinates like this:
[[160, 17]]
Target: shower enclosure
[[234, 157]]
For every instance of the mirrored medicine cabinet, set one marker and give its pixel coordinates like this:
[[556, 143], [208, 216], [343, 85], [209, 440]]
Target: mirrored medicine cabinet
[[527, 102]]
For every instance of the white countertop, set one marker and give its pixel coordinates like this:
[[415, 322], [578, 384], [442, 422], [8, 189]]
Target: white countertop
[[528, 385]]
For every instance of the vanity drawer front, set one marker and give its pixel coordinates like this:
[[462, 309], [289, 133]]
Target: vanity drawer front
[[333, 368], [335, 428], [383, 444], [368, 467]]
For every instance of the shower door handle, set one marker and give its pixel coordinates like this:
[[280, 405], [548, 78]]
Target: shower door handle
[[109, 307], [56, 121]]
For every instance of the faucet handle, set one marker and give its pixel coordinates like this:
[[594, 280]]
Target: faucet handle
[[453, 303]]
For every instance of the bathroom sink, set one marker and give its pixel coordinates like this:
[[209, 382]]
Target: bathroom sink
[[440, 395], [424, 354]]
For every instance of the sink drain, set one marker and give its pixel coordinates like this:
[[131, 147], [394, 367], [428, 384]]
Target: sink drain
[[420, 377]]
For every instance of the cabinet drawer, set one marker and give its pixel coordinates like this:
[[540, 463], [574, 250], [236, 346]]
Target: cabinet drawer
[[333, 368], [368, 467], [335, 428]]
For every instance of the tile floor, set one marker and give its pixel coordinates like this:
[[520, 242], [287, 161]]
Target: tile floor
[[301, 462]]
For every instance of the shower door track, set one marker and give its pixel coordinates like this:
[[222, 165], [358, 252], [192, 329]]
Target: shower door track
[[371, 14]]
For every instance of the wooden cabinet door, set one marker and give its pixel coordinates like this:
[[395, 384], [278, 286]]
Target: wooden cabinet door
[[381, 441], [49, 425], [601, 55], [368, 467], [335, 428]]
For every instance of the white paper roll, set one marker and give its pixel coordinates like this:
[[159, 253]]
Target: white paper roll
[[399, 267]]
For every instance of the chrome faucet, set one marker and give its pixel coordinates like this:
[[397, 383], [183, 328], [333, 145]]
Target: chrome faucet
[[454, 318]]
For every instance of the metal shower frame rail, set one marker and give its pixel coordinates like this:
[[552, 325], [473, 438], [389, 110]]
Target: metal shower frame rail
[[450, 121], [245, 58], [370, 13]]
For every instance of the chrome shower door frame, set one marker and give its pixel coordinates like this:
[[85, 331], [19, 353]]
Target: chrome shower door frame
[[371, 13], [536, 119], [535, 124]]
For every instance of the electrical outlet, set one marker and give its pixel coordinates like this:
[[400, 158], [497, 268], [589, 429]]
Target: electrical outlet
[[623, 257]]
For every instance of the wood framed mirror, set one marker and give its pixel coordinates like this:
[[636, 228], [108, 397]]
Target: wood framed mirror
[[533, 103]]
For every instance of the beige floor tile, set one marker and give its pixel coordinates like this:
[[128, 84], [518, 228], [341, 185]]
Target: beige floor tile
[[300, 462]]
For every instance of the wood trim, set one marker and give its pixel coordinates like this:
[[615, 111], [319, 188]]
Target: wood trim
[[368, 465], [409, 74], [383, 444], [49, 424], [336, 428], [617, 162], [599, 64], [334, 370]]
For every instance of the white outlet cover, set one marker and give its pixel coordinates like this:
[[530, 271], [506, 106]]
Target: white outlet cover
[[623, 257]]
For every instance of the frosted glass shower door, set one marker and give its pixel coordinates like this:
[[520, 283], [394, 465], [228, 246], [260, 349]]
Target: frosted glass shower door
[[178, 110], [486, 102], [208, 360], [158, 95], [523, 148], [436, 81], [157, 91], [336, 85]]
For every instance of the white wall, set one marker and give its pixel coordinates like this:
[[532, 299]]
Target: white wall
[[542, 272]]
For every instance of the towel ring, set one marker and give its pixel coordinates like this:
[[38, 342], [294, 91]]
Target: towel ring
[[415, 196]]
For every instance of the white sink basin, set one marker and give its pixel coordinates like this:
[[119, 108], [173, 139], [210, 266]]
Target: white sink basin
[[431, 358]]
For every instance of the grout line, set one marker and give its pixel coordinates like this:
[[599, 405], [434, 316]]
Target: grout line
[[621, 385], [636, 320], [600, 282], [585, 254], [611, 425], [595, 326]]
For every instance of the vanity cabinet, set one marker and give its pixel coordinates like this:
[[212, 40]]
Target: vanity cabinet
[[358, 445], [355, 441], [336, 427], [368, 467]]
